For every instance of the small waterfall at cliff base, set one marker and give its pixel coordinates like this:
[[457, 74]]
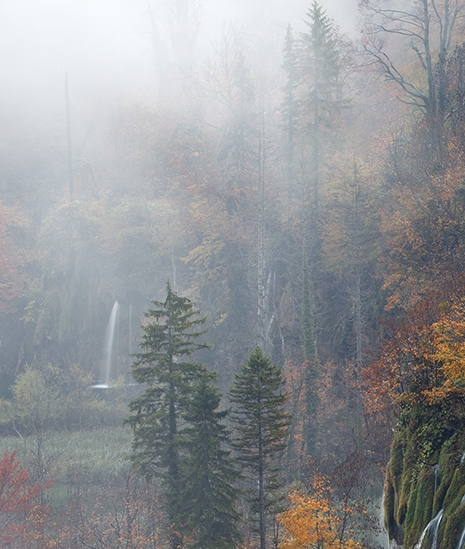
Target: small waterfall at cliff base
[[431, 531], [382, 537], [108, 348]]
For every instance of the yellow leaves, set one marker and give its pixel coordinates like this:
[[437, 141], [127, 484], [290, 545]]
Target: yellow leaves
[[448, 350], [423, 360], [314, 521]]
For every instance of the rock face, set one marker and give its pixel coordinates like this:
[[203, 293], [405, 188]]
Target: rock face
[[424, 499]]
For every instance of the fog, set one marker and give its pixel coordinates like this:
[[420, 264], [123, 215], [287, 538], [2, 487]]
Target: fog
[[105, 47], [125, 65], [302, 192]]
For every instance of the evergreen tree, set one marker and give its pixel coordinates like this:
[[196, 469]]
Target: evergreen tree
[[321, 98], [261, 424], [168, 337], [209, 496], [290, 106]]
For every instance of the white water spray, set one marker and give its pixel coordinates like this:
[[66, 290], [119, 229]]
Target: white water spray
[[432, 526], [437, 470], [108, 348], [382, 537]]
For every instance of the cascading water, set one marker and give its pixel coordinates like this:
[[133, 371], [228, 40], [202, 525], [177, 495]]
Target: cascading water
[[432, 528], [461, 542], [382, 537], [437, 470], [108, 348], [434, 545]]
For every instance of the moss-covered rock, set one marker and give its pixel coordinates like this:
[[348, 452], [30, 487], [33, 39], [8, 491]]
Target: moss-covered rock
[[420, 506], [426, 474]]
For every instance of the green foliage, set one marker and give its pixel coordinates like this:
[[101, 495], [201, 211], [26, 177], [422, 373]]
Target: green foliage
[[261, 424], [55, 398], [420, 506], [36, 405], [394, 502], [168, 339], [208, 511], [414, 493], [321, 65], [447, 493], [91, 456]]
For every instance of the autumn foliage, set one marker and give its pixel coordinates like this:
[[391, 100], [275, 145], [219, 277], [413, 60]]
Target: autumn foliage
[[423, 356], [22, 514], [118, 517], [316, 521]]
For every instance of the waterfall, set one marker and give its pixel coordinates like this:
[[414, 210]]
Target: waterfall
[[108, 345], [432, 526], [382, 537], [437, 470], [435, 531]]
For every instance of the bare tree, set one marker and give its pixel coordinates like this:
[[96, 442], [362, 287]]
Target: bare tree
[[429, 29]]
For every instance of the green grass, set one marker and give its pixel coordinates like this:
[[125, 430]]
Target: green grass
[[95, 456]]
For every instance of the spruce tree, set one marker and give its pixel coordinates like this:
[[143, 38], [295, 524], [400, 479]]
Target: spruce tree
[[261, 425], [321, 95], [168, 340], [209, 496], [290, 107]]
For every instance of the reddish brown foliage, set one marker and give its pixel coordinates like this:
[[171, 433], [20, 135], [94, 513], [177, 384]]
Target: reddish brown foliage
[[422, 356], [22, 514]]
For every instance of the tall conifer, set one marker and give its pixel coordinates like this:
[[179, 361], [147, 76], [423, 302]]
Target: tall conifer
[[261, 425], [290, 105], [321, 96], [209, 496], [168, 338]]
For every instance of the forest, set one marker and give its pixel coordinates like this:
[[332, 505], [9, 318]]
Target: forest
[[232, 307]]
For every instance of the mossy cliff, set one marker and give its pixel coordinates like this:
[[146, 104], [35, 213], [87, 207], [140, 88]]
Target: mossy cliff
[[426, 474]]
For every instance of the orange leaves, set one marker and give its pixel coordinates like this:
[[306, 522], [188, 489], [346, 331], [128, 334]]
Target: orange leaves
[[315, 521], [448, 350], [423, 358]]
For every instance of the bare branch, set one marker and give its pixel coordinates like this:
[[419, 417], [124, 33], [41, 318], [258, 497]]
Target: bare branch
[[429, 26]]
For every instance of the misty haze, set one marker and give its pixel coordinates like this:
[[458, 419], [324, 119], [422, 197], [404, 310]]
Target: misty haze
[[232, 290]]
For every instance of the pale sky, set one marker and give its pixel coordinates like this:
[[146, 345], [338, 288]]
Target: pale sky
[[104, 45]]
